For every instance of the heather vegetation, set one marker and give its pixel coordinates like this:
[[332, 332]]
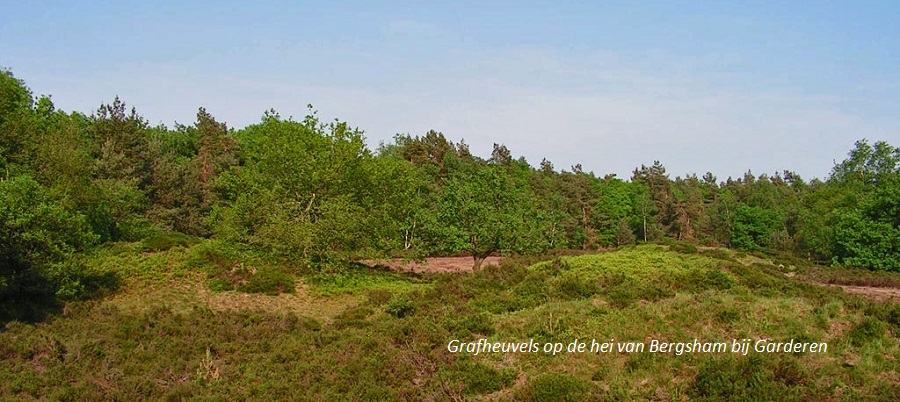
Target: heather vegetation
[[207, 262]]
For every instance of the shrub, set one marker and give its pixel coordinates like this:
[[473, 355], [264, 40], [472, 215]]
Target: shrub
[[165, 241], [400, 306], [478, 378], [573, 286], [467, 325], [378, 297], [752, 378], [684, 248], [353, 318], [270, 281], [553, 387], [702, 279], [719, 254], [868, 331], [532, 291]]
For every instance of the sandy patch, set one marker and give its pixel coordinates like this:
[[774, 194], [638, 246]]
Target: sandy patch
[[433, 264]]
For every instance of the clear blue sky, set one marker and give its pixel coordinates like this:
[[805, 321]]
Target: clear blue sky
[[715, 86]]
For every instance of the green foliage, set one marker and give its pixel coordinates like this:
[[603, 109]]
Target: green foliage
[[304, 190], [870, 235], [753, 227], [266, 280], [39, 237], [228, 267], [400, 305], [378, 297], [476, 378], [629, 275], [467, 325], [487, 212], [165, 241], [867, 164], [15, 112], [868, 331], [750, 378], [355, 348], [684, 248], [187, 161], [554, 387], [613, 209], [357, 278]]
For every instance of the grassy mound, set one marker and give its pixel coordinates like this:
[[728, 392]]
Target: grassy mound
[[366, 334]]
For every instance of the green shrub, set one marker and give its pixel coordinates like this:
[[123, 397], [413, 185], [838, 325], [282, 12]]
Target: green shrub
[[751, 378], [267, 280], [719, 254], [353, 318], [229, 267], [532, 291], [554, 387], [400, 306], [702, 279], [868, 331], [357, 278], [684, 248], [622, 290], [574, 286], [477, 378], [165, 241], [75, 280], [135, 229], [465, 326], [378, 297], [557, 266]]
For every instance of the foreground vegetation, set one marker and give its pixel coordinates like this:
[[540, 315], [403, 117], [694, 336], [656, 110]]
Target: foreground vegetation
[[377, 335]]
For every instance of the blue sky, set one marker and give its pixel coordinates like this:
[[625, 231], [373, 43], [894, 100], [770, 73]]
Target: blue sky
[[701, 86]]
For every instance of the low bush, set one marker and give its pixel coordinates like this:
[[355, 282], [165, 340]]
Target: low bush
[[266, 280], [476, 378], [684, 248], [750, 378], [719, 254], [870, 330], [400, 306], [378, 297], [465, 326], [554, 387], [165, 241]]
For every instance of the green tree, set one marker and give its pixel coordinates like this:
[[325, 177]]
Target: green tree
[[38, 238], [487, 212], [614, 208], [304, 189], [122, 168], [753, 227], [186, 162], [16, 121]]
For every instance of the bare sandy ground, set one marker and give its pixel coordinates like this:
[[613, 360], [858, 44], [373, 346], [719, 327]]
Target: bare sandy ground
[[877, 293], [433, 264]]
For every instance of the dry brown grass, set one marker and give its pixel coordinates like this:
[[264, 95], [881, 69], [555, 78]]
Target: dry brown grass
[[183, 295]]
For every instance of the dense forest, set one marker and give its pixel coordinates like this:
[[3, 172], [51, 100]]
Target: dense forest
[[312, 191]]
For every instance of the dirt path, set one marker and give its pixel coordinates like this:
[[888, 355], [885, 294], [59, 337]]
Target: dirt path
[[433, 264], [877, 293]]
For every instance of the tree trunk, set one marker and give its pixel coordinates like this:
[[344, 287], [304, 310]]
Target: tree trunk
[[478, 261], [480, 257]]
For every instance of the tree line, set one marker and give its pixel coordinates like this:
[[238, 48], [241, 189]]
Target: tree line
[[312, 190]]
